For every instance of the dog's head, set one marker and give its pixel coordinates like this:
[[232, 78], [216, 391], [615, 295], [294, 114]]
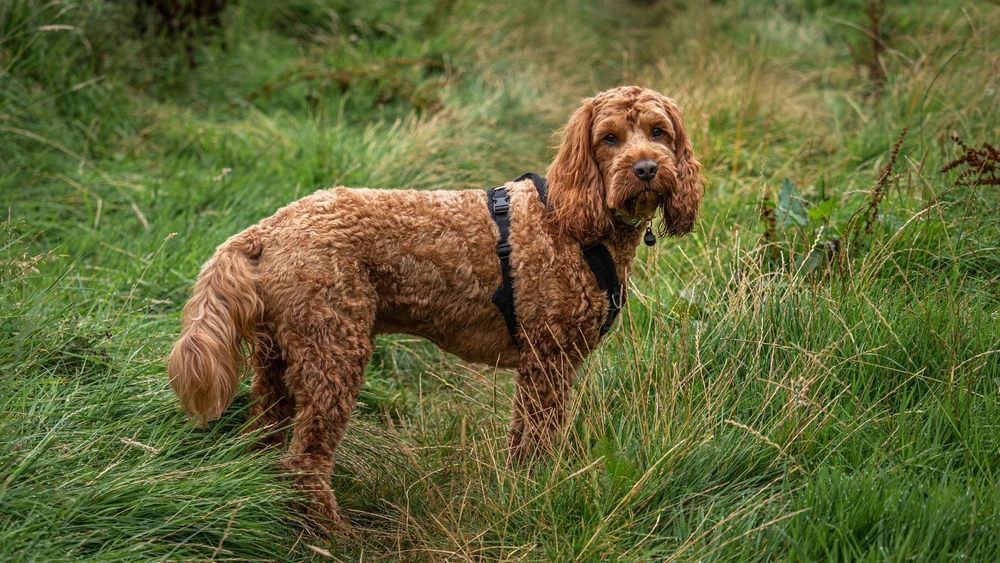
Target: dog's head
[[624, 154]]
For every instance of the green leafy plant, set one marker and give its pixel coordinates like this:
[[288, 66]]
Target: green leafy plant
[[799, 231], [811, 234]]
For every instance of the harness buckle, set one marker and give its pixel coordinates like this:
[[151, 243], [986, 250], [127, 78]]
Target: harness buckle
[[501, 201], [503, 250]]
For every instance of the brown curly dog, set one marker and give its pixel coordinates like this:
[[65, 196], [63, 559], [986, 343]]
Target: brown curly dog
[[307, 289]]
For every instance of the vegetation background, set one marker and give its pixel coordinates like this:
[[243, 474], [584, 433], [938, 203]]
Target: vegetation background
[[812, 375]]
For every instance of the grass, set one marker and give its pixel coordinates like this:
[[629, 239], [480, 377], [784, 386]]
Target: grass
[[763, 397]]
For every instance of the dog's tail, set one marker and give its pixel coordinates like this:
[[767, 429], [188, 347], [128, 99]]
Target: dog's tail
[[224, 312]]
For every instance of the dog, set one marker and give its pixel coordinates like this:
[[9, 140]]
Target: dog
[[305, 291]]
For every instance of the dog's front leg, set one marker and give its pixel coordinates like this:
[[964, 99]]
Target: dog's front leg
[[539, 413]]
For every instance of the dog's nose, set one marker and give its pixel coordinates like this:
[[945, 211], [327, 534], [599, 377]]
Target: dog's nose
[[645, 169]]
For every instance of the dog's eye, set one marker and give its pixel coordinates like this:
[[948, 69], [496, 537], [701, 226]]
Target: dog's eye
[[611, 139], [657, 132]]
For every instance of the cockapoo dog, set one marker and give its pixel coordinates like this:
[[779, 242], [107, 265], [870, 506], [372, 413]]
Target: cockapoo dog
[[307, 289]]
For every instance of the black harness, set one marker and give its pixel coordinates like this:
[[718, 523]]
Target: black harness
[[595, 255]]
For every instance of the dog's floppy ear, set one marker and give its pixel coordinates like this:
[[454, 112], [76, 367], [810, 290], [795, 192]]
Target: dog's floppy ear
[[576, 187], [680, 208]]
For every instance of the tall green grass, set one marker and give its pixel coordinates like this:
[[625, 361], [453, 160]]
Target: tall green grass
[[751, 405]]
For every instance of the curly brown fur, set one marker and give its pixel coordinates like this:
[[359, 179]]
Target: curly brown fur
[[308, 288]]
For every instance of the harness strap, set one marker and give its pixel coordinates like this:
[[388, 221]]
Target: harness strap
[[541, 186], [602, 266], [498, 201], [597, 257]]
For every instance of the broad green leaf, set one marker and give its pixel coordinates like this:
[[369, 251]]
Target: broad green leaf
[[790, 208], [823, 210]]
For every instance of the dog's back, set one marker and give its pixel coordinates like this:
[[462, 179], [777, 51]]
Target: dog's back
[[423, 261]]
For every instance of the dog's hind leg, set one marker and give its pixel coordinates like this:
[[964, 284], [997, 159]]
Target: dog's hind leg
[[327, 349], [273, 406]]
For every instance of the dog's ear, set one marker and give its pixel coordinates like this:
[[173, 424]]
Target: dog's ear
[[680, 209], [576, 187]]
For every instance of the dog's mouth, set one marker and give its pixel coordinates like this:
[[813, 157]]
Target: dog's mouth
[[637, 210], [640, 207]]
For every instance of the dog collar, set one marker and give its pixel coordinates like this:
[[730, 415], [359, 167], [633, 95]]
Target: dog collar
[[628, 219]]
